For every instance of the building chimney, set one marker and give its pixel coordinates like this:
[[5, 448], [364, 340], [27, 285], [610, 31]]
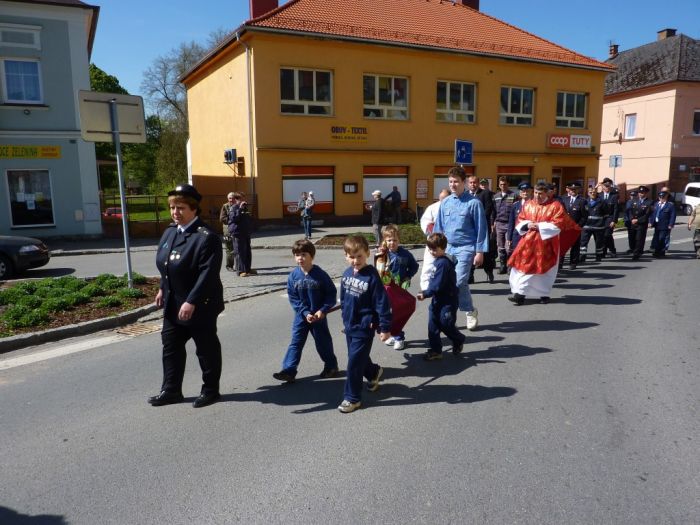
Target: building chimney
[[474, 4], [613, 50], [665, 33], [261, 7]]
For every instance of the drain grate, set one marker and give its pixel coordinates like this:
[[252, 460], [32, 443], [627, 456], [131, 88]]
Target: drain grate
[[139, 329]]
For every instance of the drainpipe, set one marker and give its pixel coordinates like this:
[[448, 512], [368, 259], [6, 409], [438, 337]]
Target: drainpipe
[[249, 99]]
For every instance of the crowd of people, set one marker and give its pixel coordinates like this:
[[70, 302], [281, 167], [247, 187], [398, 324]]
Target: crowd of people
[[468, 227]]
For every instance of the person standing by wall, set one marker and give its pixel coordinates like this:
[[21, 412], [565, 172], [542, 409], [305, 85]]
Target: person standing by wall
[[394, 199], [462, 220], [378, 218], [231, 263], [301, 206], [192, 296], [307, 214], [240, 226]]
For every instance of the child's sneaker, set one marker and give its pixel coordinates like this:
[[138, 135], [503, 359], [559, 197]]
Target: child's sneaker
[[472, 319], [432, 356], [284, 376], [327, 373], [373, 385], [399, 344], [390, 341], [348, 406]]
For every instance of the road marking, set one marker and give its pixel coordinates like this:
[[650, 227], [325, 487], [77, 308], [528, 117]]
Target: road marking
[[61, 351]]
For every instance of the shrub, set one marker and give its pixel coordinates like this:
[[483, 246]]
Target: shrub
[[130, 293], [55, 304], [137, 278], [109, 301], [93, 290], [12, 295], [15, 312], [76, 298], [30, 318], [30, 301]]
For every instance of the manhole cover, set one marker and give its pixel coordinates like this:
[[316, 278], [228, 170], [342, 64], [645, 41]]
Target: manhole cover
[[139, 329]]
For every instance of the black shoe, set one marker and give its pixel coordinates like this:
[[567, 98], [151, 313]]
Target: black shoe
[[457, 348], [544, 300], [518, 299], [635, 257], [628, 252], [502, 270], [165, 398], [613, 253], [327, 373], [489, 274], [572, 267], [284, 376], [598, 258], [582, 259], [206, 399]]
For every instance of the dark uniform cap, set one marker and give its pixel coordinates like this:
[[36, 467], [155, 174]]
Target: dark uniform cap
[[524, 186], [662, 193], [643, 189], [186, 190], [574, 185], [633, 193], [484, 181]]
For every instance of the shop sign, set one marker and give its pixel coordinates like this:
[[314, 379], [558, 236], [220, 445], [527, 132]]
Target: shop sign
[[422, 189], [349, 133], [565, 140], [29, 152]]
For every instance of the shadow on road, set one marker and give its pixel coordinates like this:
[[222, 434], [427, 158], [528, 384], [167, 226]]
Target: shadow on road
[[537, 325], [41, 273], [11, 517], [598, 299]]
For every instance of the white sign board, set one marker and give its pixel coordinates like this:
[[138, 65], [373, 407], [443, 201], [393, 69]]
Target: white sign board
[[95, 120], [615, 161]]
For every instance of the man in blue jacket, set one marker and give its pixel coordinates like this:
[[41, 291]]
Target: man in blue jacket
[[662, 219]]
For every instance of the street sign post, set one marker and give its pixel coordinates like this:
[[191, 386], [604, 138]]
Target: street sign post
[[112, 117], [464, 151], [614, 162]]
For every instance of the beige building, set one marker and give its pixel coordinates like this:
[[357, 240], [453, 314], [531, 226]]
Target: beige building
[[651, 113]]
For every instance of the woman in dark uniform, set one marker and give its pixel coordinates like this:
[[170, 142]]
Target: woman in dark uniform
[[189, 261]]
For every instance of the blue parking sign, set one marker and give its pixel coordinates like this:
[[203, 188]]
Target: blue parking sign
[[463, 151]]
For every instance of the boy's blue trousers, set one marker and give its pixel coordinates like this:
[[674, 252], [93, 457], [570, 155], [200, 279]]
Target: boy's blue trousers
[[359, 365], [442, 318], [322, 337]]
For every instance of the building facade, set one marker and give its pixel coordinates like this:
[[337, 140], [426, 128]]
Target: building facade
[[344, 98], [651, 113], [49, 182]]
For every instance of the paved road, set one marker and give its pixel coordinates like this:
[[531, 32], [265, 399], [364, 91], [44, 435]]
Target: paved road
[[581, 411]]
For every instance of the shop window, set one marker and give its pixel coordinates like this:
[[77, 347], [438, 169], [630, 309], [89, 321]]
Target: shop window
[[571, 110], [517, 106], [385, 97], [31, 203], [306, 91], [456, 102]]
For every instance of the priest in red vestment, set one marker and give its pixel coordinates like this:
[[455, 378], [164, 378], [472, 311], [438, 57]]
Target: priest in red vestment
[[546, 230]]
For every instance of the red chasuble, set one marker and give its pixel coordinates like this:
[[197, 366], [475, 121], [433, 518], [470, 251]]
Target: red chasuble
[[533, 255]]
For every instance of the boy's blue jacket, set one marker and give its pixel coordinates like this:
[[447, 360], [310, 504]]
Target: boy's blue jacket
[[364, 302], [403, 263], [443, 283], [310, 293]]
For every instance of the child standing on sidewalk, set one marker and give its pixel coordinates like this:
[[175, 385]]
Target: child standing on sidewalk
[[311, 293], [443, 308], [401, 266], [365, 311]]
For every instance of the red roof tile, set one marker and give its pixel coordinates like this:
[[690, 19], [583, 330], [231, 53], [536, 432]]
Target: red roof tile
[[425, 23]]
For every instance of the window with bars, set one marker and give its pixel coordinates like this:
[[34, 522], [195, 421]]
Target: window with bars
[[571, 110], [517, 106], [456, 102], [306, 91], [385, 97]]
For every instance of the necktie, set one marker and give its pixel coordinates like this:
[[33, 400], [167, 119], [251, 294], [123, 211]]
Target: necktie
[[572, 200]]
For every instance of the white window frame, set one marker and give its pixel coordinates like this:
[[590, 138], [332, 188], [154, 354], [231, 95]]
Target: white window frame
[[506, 115], [452, 115], [631, 126], [306, 103], [389, 111], [696, 119], [3, 82], [571, 120], [9, 198], [35, 31]]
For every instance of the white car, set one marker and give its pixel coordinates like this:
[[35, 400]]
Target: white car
[[691, 197]]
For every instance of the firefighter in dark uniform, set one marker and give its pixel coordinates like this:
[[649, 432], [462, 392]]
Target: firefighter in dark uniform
[[189, 261], [639, 212], [503, 201], [628, 224], [609, 195], [575, 206], [512, 236], [596, 214]]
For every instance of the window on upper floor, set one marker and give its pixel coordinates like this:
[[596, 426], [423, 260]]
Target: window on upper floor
[[17, 35], [456, 102], [517, 106], [571, 110], [385, 97], [21, 81], [696, 122], [306, 91], [631, 126]]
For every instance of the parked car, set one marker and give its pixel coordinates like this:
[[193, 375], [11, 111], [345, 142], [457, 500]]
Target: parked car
[[691, 197], [21, 253], [113, 213]]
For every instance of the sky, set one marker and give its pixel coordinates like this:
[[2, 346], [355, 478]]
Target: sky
[[132, 33]]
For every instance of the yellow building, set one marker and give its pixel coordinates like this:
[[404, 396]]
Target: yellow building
[[345, 97]]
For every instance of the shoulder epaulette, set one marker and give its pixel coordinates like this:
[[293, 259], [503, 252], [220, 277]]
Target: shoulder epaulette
[[203, 229]]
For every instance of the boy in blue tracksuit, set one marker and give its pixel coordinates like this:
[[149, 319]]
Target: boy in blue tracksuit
[[312, 294], [443, 308], [366, 310], [402, 266]]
